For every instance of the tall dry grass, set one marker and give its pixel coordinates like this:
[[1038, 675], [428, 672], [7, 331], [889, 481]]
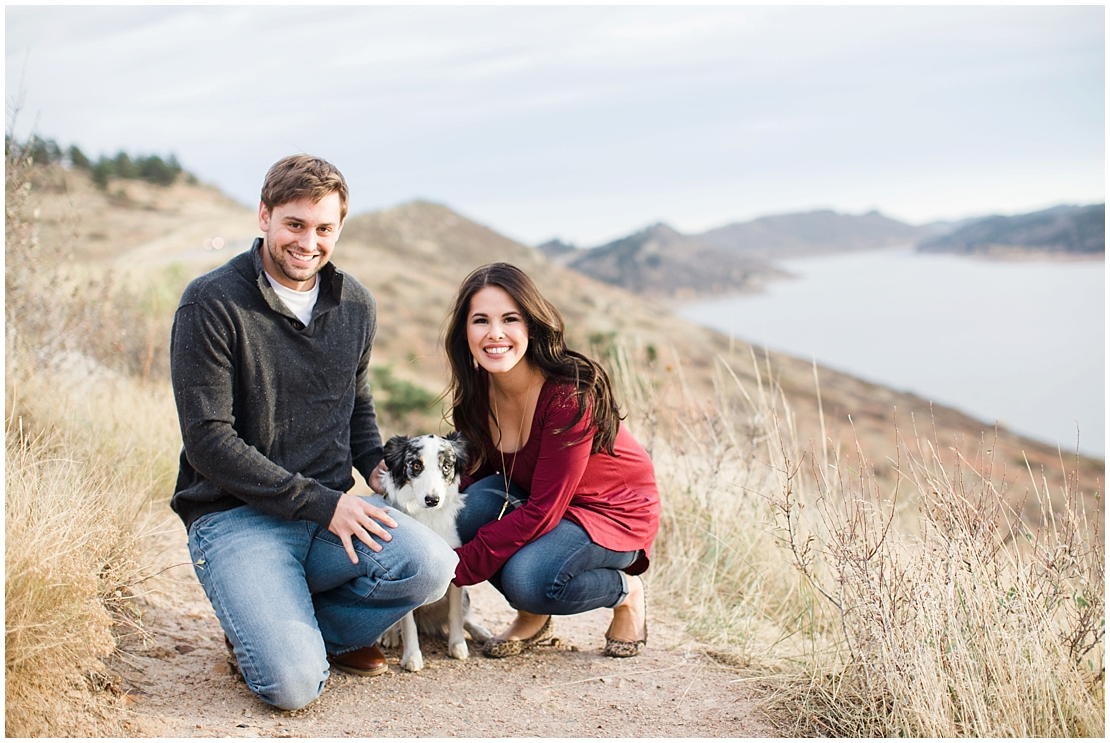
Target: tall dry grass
[[88, 446], [78, 490], [931, 610]]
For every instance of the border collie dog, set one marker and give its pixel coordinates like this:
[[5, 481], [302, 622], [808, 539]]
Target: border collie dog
[[423, 481]]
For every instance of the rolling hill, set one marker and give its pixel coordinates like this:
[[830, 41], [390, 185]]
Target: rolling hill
[[735, 258], [811, 233], [661, 262], [1061, 230]]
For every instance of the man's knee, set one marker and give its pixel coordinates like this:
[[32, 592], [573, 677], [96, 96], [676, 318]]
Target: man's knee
[[284, 663], [293, 692], [428, 563], [437, 570], [291, 687]]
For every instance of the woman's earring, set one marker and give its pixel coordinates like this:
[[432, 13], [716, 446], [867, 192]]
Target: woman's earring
[[474, 361]]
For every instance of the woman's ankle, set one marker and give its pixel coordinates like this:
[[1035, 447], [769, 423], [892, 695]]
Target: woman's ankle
[[524, 626], [629, 618]]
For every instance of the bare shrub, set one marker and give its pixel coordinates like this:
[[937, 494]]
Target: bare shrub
[[966, 623], [66, 560]]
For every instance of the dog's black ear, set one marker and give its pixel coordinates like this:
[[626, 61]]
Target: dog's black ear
[[461, 446], [395, 452], [394, 457]]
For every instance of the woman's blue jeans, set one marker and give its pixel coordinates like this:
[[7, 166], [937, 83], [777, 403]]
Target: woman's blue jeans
[[287, 595], [562, 572]]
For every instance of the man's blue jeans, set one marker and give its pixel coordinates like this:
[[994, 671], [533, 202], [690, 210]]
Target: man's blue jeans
[[562, 572], [287, 595]]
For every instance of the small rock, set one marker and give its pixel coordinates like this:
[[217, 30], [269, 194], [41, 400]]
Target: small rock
[[184, 648]]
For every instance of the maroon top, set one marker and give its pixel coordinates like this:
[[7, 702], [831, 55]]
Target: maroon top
[[614, 499]]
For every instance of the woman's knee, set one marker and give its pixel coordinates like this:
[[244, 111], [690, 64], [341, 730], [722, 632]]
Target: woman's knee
[[528, 587]]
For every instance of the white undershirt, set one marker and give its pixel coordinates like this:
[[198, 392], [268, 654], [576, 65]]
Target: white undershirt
[[299, 303]]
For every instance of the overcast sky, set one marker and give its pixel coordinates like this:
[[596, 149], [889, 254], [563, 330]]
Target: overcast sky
[[588, 123]]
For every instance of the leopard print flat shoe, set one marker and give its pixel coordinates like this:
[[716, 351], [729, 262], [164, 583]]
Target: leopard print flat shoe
[[495, 648], [624, 648]]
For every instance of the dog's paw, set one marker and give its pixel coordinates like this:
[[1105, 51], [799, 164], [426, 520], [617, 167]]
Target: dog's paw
[[392, 637], [413, 662], [458, 650], [478, 633]]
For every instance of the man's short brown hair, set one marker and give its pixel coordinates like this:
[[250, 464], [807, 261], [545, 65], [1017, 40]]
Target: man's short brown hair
[[298, 176]]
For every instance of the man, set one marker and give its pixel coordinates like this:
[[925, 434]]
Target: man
[[270, 359]]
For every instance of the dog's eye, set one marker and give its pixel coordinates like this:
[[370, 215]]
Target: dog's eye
[[447, 468], [418, 466]]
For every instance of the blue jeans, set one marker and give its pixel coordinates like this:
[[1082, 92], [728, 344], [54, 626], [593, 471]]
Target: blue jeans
[[287, 595], [562, 572]]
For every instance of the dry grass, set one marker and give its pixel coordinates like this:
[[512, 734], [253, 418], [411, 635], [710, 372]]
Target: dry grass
[[88, 445], [931, 610], [717, 556], [963, 621], [77, 491]]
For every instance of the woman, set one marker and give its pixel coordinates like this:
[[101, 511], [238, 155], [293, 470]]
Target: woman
[[562, 505]]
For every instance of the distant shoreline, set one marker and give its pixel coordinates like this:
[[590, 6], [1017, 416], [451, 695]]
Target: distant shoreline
[[1020, 255], [994, 255]]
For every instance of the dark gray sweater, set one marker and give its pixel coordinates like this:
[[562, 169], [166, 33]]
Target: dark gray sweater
[[273, 413]]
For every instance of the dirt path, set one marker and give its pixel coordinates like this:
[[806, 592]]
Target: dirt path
[[183, 687]]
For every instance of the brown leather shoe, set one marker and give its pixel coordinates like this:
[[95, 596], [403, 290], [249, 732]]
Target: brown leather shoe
[[361, 662]]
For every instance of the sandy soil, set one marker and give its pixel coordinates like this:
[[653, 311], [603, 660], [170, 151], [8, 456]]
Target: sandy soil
[[181, 685]]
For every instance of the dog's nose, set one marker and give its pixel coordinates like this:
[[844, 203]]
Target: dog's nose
[[431, 501]]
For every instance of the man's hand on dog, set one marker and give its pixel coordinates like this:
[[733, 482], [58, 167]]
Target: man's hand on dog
[[355, 517]]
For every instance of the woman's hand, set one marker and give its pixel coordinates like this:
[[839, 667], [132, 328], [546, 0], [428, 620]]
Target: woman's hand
[[375, 481]]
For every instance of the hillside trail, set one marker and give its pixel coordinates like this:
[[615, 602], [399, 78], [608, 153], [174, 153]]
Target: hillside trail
[[180, 684]]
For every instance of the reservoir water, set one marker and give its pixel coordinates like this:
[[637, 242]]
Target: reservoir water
[[1021, 343]]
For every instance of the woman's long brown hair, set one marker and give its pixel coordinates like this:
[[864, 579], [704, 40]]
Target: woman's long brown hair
[[547, 350]]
